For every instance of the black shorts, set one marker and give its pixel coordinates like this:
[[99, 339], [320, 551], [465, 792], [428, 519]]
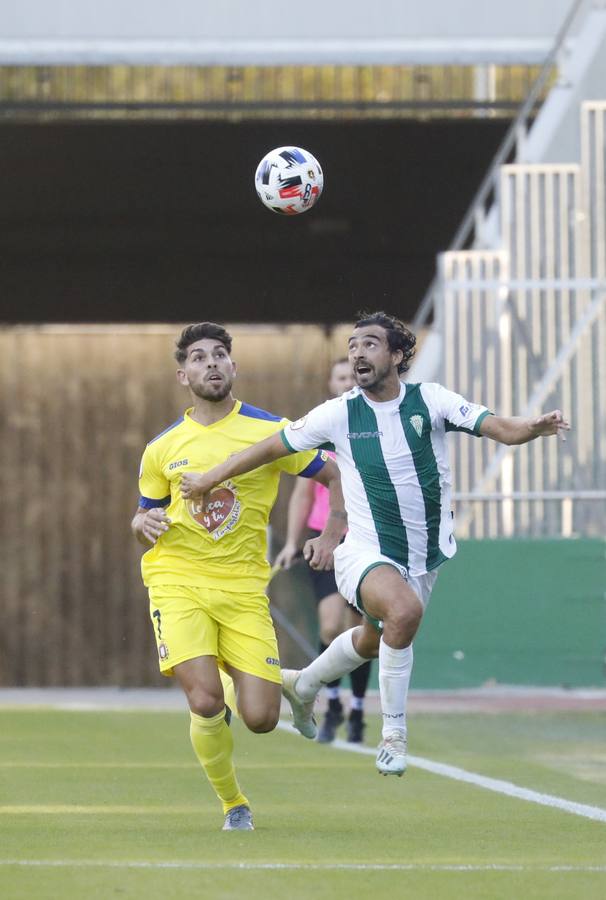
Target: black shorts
[[323, 583]]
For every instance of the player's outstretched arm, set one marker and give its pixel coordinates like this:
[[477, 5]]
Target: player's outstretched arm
[[519, 430], [195, 485], [149, 524]]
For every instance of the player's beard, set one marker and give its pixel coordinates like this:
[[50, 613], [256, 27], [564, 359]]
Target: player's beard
[[213, 393], [374, 380]]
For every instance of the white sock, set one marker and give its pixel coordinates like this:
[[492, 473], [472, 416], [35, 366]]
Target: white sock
[[339, 659], [395, 667]]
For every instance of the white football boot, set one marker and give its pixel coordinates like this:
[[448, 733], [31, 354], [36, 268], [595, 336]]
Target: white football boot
[[239, 818], [302, 710], [391, 754]]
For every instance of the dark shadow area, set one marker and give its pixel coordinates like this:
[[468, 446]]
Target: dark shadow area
[[143, 221]]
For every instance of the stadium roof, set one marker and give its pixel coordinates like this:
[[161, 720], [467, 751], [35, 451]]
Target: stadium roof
[[236, 32]]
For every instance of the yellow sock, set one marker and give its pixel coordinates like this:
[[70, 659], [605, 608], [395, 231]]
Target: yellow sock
[[229, 692], [213, 744]]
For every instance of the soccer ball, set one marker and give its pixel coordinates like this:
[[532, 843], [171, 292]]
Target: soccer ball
[[289, 180]]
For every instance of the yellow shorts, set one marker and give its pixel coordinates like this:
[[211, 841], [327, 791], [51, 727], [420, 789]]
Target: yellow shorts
[[237, 628]]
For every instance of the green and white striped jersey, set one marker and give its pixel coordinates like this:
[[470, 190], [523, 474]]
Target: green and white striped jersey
[[393, 460]]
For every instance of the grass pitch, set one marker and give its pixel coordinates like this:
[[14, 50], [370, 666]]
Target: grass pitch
[[113, 804]]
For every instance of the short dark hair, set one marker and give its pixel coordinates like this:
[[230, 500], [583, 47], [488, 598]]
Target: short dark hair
[[198, 332], [398, 335]]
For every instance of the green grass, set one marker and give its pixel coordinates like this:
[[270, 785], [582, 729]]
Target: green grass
[[102, 787]]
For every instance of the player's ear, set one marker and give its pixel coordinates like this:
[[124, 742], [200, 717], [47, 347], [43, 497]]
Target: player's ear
[[234, 368], [182, 377], [397, 356]]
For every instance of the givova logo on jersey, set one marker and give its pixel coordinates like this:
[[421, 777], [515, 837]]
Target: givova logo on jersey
[[220, 514]]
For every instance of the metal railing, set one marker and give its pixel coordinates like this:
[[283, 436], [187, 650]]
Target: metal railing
[[509, 149], [523, 346]]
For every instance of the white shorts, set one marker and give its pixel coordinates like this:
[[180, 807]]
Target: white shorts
[[353, 562]]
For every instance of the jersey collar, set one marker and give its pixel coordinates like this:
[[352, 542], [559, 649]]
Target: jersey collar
[[219, 424], [386, 405]]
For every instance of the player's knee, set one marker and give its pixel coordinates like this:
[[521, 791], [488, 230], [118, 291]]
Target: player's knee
[[404, 618], [203, 703], [261, 721]]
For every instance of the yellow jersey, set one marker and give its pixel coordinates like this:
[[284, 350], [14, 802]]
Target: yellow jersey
[[223, 544]]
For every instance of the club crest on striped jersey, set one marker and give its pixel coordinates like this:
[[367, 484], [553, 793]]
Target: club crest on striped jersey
[[417, 424]]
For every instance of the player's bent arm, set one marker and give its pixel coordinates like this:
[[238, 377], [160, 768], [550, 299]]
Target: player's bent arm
[[194, 485], [330, 477], [299, 508], [149, 524], [513, 430], [319, 551]]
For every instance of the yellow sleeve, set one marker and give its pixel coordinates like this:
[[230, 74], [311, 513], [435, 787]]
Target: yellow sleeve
[[306, 463], [154, 487]]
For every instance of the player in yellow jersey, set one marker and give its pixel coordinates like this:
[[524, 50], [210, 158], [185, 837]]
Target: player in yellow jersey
[[206, 567]]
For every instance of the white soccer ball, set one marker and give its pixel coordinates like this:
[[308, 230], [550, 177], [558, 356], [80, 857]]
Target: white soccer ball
[[289, 180]]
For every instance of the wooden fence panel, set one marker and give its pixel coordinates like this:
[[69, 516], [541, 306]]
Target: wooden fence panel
[[78, 406]]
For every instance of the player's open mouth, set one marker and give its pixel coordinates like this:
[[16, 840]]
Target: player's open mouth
[[363, 370], [215, 378]]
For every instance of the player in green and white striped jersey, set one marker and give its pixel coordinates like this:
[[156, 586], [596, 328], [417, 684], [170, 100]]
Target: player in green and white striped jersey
[[393, 460], [390, 443]]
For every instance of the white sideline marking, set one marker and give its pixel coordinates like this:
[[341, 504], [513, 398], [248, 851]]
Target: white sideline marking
[[322, 867], [490, 784]]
